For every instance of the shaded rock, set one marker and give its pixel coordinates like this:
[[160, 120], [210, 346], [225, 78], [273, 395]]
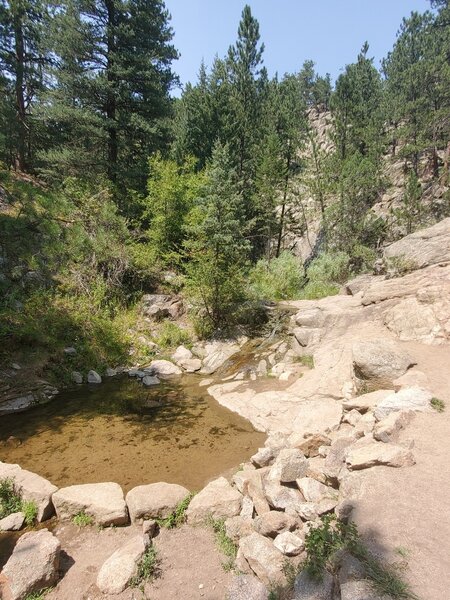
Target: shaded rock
[[273, 523], [77, 377], [217, 353], [350, 568], [289, 465], [150, 527], [165, 369], [257, 495], [263, 558], [93, 377], [241, 478], [314, 491], [336, 456], [289, 543], [70, 351], [264, 457], [238, 527], [247, 587], [311, 444], [104, 502], [387, 429], [110, 372], [359, 590], [12, 522], [316, 469], [32, 487], [217, 500], [415, 399], [118, 570], [377, 453], [150, 380], [33, 565], [306, 588], [154, 501], [247, 508], [380, 360]]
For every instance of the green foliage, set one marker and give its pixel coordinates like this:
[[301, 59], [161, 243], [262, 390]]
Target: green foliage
[[224, 543], [278, 279], [81, 519], [178, 516], [333, 267], [147, 568], [11, 502], [171, 335], [437, 404], [10, 498], [307, 360], [40, 595]]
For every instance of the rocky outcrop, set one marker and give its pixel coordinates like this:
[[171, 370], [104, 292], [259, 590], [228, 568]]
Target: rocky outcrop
[[154, 501], [31, 487], [119, 569], [161, 306], [104, 502], [218, 500], [216, 354], [33, 565]]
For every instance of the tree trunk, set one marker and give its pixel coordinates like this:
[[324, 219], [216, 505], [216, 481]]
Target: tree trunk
[[111, 107], [283, 207], [19, 89]]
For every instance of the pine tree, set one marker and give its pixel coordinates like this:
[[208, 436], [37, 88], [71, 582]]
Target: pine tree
[[217, 248], [22, 62]]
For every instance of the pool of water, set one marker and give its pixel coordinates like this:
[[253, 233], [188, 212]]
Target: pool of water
[[121, 431]]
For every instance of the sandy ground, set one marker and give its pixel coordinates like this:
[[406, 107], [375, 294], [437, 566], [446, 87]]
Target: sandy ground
[[407, 511], [190, 566]]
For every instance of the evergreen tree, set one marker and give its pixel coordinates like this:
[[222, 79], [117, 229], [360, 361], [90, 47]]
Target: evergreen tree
[[217, 248], [21, 63]]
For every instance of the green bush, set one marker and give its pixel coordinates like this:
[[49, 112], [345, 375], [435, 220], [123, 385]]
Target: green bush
[[81, 519], [11, 502], [170, 335], [279, 279], [330, 267]]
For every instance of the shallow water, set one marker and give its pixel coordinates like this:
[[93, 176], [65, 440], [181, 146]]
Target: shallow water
[[113, 432]]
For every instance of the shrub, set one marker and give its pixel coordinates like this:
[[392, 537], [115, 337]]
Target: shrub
[[81, 519], [147, 567], [30, 511], [330, 267], [279, 279], [437, 404], [11, 502], [170, 335]]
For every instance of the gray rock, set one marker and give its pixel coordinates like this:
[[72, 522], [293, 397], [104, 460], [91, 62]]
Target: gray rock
[[280, 496], [94, 377], [388, 428], [359, 590], [274, 522], [155, 500], [380, 360], [289, 465], [238, 527], [377, 453], [306, 588], [13, 522], [247, 587], [414, 398], [263, 558], [290, 544], [118, 570], [104, 502], [165, 369], [218, 500], [70, 351], [33, 565], [149, 380], [32, 487], [110, 372], [77, 377], [264, 457]]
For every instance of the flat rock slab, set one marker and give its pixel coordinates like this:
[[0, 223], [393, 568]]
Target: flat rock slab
[[104, 502], [32, 487], [154, 501], [366, 402], [33, 565], [413, 398], [218, 500], [118, 570], [165, 369], [378, 453]]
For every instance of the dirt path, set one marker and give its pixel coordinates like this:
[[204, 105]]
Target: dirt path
[[407, 511], [190, 564]]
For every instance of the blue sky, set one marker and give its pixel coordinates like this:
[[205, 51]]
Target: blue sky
[[330, 32]]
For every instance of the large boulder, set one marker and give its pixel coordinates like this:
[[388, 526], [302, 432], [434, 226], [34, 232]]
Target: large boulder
[[217, 353], [118, 570], [307, 588], [425, 247], [290, 464], [32, 487], [104, 502], [379, 360], [154, 501], [218, 500], [247, 587], [33, 565], [377, 453], [290, 544], [164, 369], [263, 558], [280, 496], [415, 398]]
